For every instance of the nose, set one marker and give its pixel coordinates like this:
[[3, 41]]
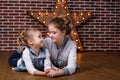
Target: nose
[[50, 34], [42, 39]]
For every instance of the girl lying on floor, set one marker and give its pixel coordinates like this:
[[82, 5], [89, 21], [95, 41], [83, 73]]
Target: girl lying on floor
[[33, 57]]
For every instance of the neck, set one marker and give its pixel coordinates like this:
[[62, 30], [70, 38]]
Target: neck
[[36, 50], [60, 42]]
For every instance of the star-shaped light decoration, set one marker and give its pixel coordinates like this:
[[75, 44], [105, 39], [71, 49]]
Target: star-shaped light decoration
[[61, 9]]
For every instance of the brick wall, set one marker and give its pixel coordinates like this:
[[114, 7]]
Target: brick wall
[[100, 33]]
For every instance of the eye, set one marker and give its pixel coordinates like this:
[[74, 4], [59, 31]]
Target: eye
[[40, 36], [52, 32]]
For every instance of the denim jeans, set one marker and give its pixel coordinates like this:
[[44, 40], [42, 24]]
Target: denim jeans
[[14, 58]]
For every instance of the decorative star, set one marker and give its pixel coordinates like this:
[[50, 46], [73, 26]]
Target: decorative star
[[61, 9]]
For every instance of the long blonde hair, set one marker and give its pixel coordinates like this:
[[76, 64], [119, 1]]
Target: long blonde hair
[[23, 37]]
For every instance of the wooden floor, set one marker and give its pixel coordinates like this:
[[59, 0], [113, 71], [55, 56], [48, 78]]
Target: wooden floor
[[94, 66]]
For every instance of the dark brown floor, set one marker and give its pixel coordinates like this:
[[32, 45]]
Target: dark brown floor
[[94, 66]]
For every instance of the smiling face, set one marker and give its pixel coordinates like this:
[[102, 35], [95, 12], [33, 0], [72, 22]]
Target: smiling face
[[55, 34], [37, 39]]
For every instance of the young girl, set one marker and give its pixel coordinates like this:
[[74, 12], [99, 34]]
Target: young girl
[[35, 58]]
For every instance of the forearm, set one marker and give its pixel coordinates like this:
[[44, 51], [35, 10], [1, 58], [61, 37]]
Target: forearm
[[61, 72], [37, 73]]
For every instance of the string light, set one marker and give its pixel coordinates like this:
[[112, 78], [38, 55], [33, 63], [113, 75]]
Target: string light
[[74, 14], [54, 14], [31, 13], [67, 14], [77, 22], [76, 40], [74, 33], [88, 14], [37, 17], [78, 47], [44, 22], [83, 18], [39, 14], [46, 14], [47, 33], [56, 7], [81, 14], [65, 7]]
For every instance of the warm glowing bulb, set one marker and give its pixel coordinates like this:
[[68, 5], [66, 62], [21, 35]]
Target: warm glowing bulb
[[56, 7], [74, 33], [65, 7], [39, 14], [83, 18], [81, 14], [77, 22], [74, 14], [37, 17], [47, 33], [76, 40], [78, 47], [46, 14], [88, 14], [44, 22], [54, 14], [67, 14], [31, 13]]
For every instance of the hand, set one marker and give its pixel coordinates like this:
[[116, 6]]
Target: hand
[[51, 69], [54, 73], [48, 70]]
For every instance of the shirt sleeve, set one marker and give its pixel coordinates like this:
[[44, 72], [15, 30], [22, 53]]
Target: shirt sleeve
[[28, 62], [47, 62], [70, 68]]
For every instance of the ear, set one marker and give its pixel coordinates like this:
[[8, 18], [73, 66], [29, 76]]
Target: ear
[[64, 32], [30, 41]]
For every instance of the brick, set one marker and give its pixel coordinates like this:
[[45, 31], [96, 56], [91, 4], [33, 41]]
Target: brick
[[116, 48], [110, 44], [104, 47], [99, 33], [3, 44], [100, 44]]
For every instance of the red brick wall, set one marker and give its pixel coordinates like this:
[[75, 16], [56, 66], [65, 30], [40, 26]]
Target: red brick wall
[[100, 33]]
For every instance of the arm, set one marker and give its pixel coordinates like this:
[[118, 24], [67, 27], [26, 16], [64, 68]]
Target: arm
[[70, 68], [47, 62], [29, 65]]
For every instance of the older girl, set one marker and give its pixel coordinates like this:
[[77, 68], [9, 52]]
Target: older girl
[[61, 48]]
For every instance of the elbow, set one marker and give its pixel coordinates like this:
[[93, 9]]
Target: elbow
[[70, 70], [31, 73]]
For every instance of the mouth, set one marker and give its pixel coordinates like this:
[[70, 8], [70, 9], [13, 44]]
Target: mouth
[[52, 38]]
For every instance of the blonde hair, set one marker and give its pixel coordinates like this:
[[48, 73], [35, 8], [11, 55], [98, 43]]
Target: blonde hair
[[24, 36]]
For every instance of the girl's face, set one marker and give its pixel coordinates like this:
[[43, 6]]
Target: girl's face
[[55, 34], [37, 39]]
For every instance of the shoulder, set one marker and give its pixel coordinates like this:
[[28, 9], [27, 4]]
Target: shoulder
[[47, 42], [26, 51], [71, 42], [47, 39]]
